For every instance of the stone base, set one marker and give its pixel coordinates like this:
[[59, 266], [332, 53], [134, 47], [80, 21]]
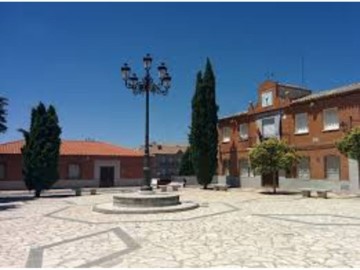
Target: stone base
[[146, 200], [110, 208]]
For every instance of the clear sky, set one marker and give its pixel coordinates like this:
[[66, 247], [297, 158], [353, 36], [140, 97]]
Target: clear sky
[[69, 55]]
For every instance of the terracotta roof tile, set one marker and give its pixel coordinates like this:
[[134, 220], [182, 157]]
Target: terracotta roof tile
[[77, 148]]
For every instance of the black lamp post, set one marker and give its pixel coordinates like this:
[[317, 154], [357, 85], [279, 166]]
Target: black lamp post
[[147, 85]]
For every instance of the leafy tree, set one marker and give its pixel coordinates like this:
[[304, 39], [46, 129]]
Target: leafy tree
[[186, 165], [3, 113], [203, 131], [272, 155], [41, 149], [350, 144]]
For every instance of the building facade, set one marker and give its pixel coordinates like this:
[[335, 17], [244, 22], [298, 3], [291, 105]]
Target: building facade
[[310, 122], [166, 159], [81, 164]]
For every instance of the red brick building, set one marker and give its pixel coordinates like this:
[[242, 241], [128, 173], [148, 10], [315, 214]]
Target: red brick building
[[311, 122], [82, 164]]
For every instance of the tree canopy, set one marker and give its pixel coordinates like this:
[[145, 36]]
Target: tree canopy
[[272, 155], [203, 136], [350, 144], [41, 150], [186, 165]]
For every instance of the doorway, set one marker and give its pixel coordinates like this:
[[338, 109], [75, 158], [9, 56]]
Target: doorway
[[107, 176], [267, 180]]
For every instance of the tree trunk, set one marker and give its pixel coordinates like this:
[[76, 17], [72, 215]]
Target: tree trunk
[[274, 182], [205, 186], [37, 193]]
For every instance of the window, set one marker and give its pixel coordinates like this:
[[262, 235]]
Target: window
[[266, 99], [74, 171], [226, 132], [268, 127], [331, 119], [226, 167], [301, 123], [2, 171], [244, 131], [244, 168], [303, 168], [332, 167]]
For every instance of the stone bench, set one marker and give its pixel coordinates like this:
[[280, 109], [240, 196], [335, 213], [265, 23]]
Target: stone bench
[[322, 193], [163, 188], [221, 187]]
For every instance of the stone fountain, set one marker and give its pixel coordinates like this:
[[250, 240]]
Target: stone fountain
[[145, 202]]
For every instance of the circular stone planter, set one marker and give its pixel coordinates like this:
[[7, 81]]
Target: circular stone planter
[[144, 203], [141, 200]]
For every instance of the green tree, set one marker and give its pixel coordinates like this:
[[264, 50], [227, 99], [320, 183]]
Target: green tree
[[3, 113], [186, 165], [41, 150], [272, 155], [203, 130], [212, 118], [350, 144]]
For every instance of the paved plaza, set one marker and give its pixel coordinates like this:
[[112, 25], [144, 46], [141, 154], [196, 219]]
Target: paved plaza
[[236, 228]]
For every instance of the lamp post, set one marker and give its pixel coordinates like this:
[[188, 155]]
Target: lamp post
[[145, 86]]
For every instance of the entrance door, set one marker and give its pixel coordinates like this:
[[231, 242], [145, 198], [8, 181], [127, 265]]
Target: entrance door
[[267, 180], [106, 176]]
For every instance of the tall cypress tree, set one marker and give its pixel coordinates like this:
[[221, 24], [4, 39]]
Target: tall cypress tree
[[3, 104], [212, 119], [203, 133], [186, 165], [41, 149]]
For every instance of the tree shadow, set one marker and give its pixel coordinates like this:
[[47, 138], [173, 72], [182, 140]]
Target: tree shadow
[[280, 192]]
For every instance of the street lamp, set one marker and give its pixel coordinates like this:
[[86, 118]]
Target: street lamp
[[147, 85]]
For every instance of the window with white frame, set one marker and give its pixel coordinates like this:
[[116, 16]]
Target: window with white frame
[[244, 131], [226, 133], [244, 168], [332, 167], [301, 123], [331, 119], [2, 171], [268, 127], [74, 171], [303, 168]]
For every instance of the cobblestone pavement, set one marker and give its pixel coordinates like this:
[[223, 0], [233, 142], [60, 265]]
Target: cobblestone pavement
[[236, 228]]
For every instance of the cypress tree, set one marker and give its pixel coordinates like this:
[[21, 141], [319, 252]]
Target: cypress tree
[[212, 119], [3, 104], [203, 132], [41, 149], [186, 165]]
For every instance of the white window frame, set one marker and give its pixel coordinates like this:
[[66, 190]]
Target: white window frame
[[301, 176], [329, 128], [248, 173], [226, 137], [78, 176], [262, 127], [244, 131], [328, 176], [298, 129]]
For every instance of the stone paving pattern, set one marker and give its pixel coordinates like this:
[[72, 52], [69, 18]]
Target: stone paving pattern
[[235, 228]]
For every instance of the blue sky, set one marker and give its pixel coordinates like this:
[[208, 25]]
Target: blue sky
[[69, 55]]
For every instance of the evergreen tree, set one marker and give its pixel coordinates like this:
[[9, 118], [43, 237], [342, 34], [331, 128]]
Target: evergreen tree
[[212, 119], [186, 165], [41, 149], [203, 131], [3, 104]]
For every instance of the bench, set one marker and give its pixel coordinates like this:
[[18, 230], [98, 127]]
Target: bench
[[163, 188], [221, 187], [77, 191], [175, 186], [322, 193]]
